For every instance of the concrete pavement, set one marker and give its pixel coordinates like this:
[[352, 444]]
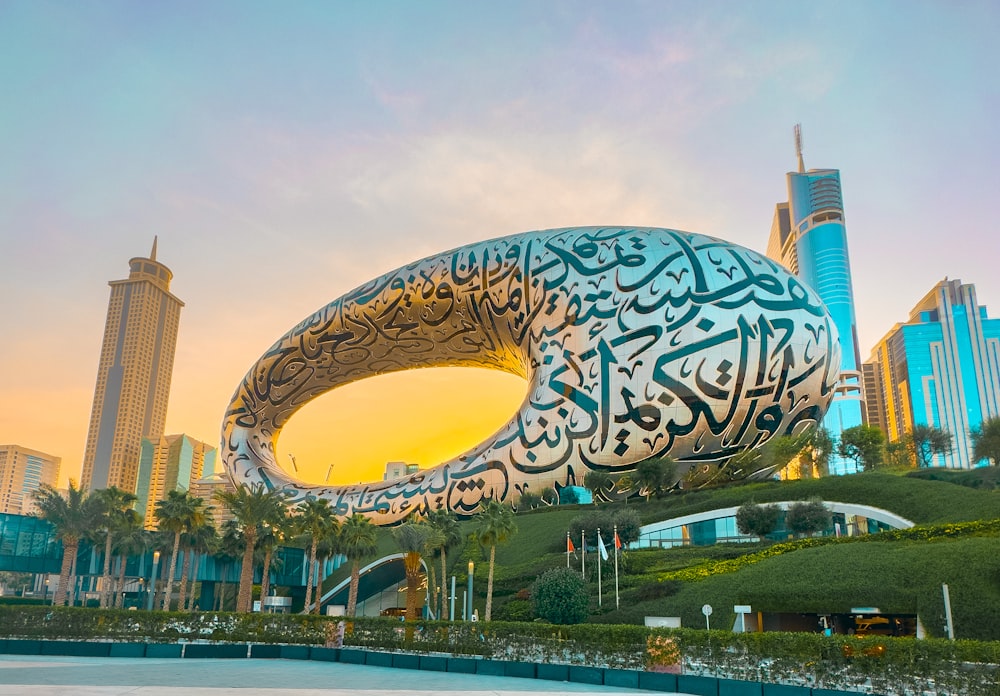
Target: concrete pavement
[[24, 675]]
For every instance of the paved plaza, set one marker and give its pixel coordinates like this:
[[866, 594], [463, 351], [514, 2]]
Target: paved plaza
[[24, 675]]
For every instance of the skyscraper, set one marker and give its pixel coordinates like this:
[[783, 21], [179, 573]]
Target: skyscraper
[[940, 368], [133, 377], [808, 236], [174, 462], [22, 471]]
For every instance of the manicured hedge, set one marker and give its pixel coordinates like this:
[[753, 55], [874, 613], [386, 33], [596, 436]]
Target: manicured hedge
[[813, 660]]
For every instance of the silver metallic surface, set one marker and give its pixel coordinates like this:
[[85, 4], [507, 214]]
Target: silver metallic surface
[[635, 342]]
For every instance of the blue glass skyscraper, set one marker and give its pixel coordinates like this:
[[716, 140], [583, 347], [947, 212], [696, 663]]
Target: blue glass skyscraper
[[808, 236], [941, 368]]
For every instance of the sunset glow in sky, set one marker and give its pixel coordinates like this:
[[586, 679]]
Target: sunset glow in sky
[[285, 153]]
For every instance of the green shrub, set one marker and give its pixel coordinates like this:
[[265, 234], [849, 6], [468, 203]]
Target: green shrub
[[560, 596]]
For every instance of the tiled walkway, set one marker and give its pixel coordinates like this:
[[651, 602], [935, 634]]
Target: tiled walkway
[[22, 675]]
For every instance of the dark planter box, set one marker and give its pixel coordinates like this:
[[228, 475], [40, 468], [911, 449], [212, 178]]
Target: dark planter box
[[24, 647], [225, 650], [734, 687], [297, 652], [523, 670], [491, 668], [553, 672], [434, 663], [832, 692], [586, 675], [265, 651], [352, 656], [622, 677], [658, 681], [786, 690], [75, 648], [405, 661], [128, 650], [702, 686], [465, 665], [163, 650], [378, 659], [319, 654]]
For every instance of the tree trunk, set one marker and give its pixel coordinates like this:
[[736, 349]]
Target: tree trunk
[[411, 563], [185, 571], [319, 586], [309, 580], [120, 593], [352, 594], [245, 600], [194, 579], [489, 585], [444, 587], [265, 578], [169, 590], [72, 573], [70, 546], [106, 577]]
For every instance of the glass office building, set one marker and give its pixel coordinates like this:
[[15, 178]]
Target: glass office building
[[940, 368], [809, 237]]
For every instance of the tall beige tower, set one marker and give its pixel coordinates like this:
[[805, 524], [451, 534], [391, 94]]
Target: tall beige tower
[[133, 378]]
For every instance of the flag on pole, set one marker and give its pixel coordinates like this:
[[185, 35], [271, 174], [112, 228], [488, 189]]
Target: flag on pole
[[603, 554], [618, 545], [569, 548], [600, 546]]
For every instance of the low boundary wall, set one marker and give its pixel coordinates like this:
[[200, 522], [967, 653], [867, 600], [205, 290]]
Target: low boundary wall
[[631, 679]]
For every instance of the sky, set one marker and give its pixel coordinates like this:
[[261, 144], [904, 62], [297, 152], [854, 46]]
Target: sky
[[285, 153]]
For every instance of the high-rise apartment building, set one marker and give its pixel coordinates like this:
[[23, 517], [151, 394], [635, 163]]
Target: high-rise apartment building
[[809, 237], [206, 488], [22, 471], [174, 462], [940, 368], [133, 377]]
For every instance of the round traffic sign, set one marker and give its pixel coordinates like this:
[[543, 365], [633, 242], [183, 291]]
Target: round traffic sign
[[707, 610]]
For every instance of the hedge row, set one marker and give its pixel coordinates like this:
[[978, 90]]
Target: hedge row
[[952, 530], [894, 665]]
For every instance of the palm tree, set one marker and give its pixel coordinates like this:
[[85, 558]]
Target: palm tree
[[328, 546], [412, 540], [130, 539], [451, 534], [313, 520], [270, 536], [251, 506], [358, 541], [176, 514], [72, 518], [496, 526], [201, 521], [200, 540], [113, 504], [228, 548]]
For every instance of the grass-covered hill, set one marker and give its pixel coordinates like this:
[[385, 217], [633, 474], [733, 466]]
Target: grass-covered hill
[[899, 573]]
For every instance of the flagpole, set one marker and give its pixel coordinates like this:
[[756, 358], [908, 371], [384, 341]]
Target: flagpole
[[599, 598], [583, 554], [568, 544], [616, 566]]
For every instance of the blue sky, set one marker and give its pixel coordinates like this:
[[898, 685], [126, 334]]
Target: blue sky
[[285, 153]]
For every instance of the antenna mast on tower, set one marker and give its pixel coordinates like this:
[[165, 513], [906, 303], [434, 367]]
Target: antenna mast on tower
[[798, 147]]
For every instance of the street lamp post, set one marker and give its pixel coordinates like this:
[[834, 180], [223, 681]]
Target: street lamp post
[[152, 581], [472, 568]]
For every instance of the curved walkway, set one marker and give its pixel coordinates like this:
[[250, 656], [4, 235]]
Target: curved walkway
[[30, 675]]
